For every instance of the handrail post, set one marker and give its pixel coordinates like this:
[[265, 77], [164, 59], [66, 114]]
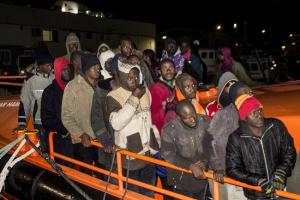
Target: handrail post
[[216, 190], [120, 172], [51, 146]]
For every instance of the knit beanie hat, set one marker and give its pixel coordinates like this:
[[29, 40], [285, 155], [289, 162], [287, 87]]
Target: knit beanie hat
[[87, 61], [44, 58], [246, 104]]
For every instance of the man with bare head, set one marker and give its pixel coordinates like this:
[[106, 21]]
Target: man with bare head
[[186, 143], [126, 49]]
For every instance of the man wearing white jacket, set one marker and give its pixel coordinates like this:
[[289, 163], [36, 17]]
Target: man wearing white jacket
[[129, 115], [31, 95]]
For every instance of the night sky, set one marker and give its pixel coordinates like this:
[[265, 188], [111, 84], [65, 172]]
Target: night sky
[[278, 17]]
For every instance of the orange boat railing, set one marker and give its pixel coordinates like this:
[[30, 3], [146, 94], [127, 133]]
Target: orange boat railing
[[119, 174], [12, 77]]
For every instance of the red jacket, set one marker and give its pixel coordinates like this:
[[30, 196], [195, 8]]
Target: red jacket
[[159, 93], [212, 108]]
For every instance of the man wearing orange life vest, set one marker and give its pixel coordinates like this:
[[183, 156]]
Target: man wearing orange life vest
[[186, 88]]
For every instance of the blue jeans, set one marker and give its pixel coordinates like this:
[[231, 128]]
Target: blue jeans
[[145, 175]]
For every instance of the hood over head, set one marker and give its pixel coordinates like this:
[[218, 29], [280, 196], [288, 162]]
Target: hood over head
[[59, 64], [71, 38]]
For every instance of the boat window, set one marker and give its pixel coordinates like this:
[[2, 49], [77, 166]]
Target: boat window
[[204, 55], [5, 57]]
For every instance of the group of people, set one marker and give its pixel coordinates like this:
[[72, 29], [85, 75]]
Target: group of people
[[127, 99]]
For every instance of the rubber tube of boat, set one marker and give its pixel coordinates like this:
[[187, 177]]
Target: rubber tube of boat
[[20, 179], [27, 181]]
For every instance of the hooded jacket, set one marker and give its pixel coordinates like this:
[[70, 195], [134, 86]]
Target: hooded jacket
[[71, 38], [52, 100], [99, 47], [227, 62], [103, 58], [180, 95], [223, 81], [224, 122], [59, 65], [177, 58], [213, 107], [131, 121], [193, 66], [230, 65], [249, 158]]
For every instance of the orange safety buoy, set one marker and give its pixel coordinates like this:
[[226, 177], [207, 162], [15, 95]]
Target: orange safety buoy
[[208, 96]]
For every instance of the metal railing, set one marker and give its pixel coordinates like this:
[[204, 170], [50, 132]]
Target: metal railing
[[119, 174]]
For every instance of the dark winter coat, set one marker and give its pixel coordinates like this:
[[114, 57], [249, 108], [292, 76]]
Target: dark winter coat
[[51, 109], [224, 122], [183, 146], [249, 158], [194, 67]]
